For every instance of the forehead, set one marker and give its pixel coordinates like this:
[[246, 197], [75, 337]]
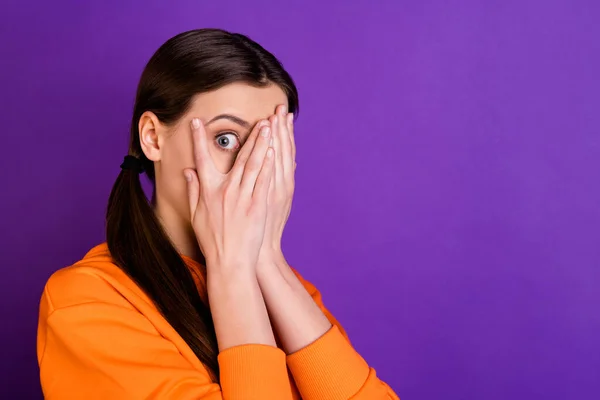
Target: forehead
[[240, 99]]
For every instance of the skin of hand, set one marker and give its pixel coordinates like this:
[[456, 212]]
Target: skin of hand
[[281, 190], [229, 210], [295, 316], [228, 213]]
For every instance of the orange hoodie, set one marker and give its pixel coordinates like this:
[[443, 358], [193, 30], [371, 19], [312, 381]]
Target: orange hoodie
[[100, 337]]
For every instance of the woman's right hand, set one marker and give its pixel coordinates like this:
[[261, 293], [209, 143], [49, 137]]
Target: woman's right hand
[[228, 211]]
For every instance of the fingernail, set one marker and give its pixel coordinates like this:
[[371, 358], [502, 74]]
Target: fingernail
[[188, 176], [196, 123], [270, 152], [283, 110], [264, 131], [290, 118], [271, 142]]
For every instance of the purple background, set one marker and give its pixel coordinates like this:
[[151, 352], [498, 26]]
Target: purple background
[[447, 201]]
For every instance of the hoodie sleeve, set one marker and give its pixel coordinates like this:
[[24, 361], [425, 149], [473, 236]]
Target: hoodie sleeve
[[104, 348], [330, 368]]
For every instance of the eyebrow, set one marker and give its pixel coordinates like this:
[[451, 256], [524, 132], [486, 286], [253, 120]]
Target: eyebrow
[[232, 118]]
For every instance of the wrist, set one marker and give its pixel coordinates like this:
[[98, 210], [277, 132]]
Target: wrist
[[229, 278], [230, 268], [271, 255], [227, 260]]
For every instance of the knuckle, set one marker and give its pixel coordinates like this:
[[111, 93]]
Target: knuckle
[[254, 164], [257, 210], [228, 191]]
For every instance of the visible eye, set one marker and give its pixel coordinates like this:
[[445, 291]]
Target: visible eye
[[228, 141]]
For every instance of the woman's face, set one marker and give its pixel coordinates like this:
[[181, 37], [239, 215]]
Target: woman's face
[[228, 114]]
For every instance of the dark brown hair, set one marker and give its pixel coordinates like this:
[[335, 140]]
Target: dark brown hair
[[190, 63]]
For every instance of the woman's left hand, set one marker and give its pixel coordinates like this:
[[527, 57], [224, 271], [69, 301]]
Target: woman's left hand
[[281, 191]]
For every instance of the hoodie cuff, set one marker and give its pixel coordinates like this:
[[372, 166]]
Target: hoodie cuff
[[328, 368], [254, 371]]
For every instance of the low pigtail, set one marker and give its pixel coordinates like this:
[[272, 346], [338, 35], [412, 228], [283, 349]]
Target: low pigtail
[[141, 248]]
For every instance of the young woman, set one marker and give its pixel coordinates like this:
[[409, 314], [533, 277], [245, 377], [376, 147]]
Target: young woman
[[191, 296]]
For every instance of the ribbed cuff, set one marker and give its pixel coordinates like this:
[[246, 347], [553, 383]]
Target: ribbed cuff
[[329, 368], [254, 371]]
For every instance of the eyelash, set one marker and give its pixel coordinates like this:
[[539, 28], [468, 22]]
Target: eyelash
[[228, 150]]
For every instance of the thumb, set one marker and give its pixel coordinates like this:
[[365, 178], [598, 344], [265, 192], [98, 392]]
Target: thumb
[[193, 189]]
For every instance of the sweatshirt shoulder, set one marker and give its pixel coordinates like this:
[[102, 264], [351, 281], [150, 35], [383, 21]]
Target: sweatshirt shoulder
[[94, 278]]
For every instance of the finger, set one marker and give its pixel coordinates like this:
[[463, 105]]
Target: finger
[[205, 167], [237, 171], [290, 126], [278, 158], [256, 160], [263, 181], [193, 189], [272, 186], [286, 145]]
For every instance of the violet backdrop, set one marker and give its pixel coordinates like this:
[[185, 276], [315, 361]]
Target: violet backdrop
[[447, 199]]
